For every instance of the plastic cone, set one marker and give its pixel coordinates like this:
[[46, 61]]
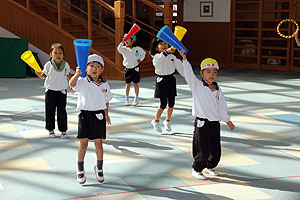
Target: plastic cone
[[134, 29], [82, 51], [179, 32], [29, 59], [167, 36]]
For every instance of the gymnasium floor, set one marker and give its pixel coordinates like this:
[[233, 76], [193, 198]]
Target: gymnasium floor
[[260, 159]]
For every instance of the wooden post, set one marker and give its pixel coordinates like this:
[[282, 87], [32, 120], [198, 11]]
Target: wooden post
[[59, 16], [119, 29], [28, 4], [100, 13], [90, 30], [134, 10], [168, 14]]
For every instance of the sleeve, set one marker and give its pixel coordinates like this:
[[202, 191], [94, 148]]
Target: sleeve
[[223, 107], [178, 66], [158, 59], [79, 84], [142, 54], [189, 75], [109, 95], [121, 48], [67, 68], [46, 68]]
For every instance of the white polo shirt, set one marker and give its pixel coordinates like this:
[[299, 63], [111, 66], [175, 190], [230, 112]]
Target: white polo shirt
[[131, 55], [57, 81], [206, 103], [165, 65], [92, 97]]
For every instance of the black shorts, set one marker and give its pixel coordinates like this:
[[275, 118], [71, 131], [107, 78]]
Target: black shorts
[[165, 86], [132, 75], [91, 125]]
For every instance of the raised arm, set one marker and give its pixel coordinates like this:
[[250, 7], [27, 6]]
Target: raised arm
[[297, 39], [74, 78]]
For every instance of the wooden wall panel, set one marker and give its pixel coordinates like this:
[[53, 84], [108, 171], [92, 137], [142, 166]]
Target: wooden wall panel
[[208, 39]]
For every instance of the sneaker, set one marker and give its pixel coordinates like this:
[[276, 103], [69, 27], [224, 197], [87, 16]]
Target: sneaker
[[156, 125], [99, 174], [127, 103], [135, 102], [63, 135], [198, 175], [80, 177], [52, 134], [210, 172], [167, 125]]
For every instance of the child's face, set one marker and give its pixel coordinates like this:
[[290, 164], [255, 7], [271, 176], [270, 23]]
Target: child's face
[[57, 54], [129, 42], [162, 47], [94, 69], [209, 75]]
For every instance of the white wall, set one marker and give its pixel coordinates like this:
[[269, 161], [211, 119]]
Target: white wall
[[221, 11], [44, 57]]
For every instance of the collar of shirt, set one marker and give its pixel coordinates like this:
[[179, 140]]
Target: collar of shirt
[[206, 84], [89, 78]]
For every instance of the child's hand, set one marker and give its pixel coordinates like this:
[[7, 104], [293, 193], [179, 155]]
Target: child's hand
[[72, 91], [230, 125], [182, 53], [171, 50], [139, 61], [107, 120], [38, 73], [78, 71]]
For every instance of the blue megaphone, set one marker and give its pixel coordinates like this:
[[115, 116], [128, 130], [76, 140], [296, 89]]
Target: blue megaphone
[[166, 35], [82, 51]]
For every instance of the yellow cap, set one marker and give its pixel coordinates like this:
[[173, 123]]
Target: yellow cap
[[209, 63]]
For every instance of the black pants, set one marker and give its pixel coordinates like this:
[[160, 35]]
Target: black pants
[[206, 144], [53, 100]]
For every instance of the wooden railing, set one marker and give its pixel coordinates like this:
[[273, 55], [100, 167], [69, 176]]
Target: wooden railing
[[118, 13]]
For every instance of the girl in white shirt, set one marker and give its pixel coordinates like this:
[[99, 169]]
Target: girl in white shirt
[[93, 100], [165, 64], [56, 73], [209, 107], [132, 56]]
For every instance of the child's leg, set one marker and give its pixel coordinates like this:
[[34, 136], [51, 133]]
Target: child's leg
[[215, 154], [160, 109], [127, 89], [171, 103], [201, 145], [99, 166], [61, 112], [82, 149], [50, 110], [136, 89], [99, 149]]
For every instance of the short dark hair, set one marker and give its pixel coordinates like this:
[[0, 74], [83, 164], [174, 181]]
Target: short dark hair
[[57, 45], [154, 45]]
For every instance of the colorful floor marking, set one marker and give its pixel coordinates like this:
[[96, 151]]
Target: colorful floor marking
[[14, 144], [22, 165]]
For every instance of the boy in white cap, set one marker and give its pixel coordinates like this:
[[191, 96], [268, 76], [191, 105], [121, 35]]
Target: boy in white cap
[[132, 56], [93, 100], [209, 107]]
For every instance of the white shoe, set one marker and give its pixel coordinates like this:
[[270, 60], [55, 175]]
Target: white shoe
[[156, 125], [127, 103], [63, 135], [99, 174], [52, 134], [167, 125], [135, 102], [210, 172], [80, 177], [198, 175]]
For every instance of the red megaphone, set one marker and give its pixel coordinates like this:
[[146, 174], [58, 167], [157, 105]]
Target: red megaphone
[[134, 29]]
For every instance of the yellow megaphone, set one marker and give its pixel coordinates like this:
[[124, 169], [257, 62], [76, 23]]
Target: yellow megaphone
[[28, 57], [179, 32]]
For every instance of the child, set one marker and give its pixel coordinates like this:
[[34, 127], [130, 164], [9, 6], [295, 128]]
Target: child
[[209, 107], [132, 56], [55, 73], [165, 84], [93, 100]]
